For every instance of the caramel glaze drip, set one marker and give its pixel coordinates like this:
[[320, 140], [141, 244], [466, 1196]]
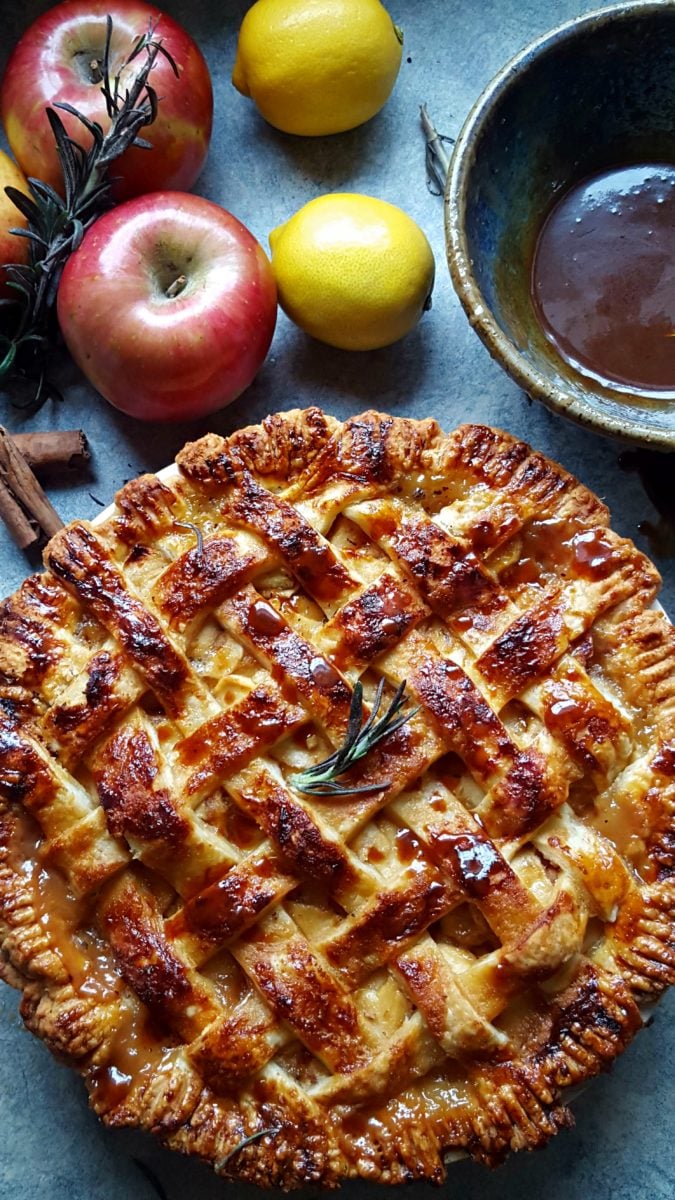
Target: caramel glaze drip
[[407, 846], [324, 676], [549, 545], [89, 963], [594, 554], [136, 1050], [264, 619], [60, 912], [472, 860]]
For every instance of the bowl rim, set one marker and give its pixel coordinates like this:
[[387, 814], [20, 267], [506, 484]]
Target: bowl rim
[[634, 428]]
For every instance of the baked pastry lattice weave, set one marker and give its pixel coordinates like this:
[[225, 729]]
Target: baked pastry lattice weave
[[304, 988]]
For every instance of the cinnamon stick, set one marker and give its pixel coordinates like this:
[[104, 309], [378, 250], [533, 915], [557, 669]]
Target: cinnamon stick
[[21, 491], [23, 534], [59, 448]]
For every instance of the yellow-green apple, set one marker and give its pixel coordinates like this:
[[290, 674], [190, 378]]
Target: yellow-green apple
[[12, 249]]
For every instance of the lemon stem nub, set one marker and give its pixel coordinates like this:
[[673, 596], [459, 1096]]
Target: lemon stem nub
[[399, 32]]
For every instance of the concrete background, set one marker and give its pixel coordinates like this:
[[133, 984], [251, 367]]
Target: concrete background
[[50, 1144]]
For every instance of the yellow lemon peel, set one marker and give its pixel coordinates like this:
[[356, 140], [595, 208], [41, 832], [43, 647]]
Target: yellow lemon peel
[[353, 271], [315, 67]]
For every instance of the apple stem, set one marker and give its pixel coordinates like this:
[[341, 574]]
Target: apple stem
[[175, 288], [96, 72]]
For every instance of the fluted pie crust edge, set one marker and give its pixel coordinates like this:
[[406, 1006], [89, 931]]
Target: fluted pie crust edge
[[299, 989]]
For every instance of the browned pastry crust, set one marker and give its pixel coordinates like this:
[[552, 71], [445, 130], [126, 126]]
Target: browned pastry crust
[[301, 989]]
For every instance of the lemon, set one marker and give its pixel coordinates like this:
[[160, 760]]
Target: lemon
[[317, 66], [352, 271]]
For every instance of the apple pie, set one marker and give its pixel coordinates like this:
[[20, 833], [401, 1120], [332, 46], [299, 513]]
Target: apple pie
[[337, 795]]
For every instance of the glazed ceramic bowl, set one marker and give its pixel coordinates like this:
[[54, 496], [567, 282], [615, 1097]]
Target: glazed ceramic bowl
[[597, 92]]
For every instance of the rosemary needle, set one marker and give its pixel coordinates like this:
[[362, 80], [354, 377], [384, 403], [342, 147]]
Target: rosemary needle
[[323, 778], [254, 1137], [197, 532]]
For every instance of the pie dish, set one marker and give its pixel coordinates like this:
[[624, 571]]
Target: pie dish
[[299, 987]]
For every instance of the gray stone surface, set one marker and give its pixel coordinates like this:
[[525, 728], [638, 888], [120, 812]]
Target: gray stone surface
[[50, 1144]]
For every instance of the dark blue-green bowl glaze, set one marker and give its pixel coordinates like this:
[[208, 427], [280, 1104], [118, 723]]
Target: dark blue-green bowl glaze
[[598, 91]]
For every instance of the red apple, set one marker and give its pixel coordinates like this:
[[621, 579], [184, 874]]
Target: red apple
[[53, 61], [12, 249], [168, 306]]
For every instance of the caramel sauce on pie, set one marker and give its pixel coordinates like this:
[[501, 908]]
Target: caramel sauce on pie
[[408, 846], [473, 860], [375, 855], [108, 1087], [324, 675], [526, 570], [594, 554], [61, 913], [264, 619], [486, 535], [261, 723], [64, 917], [565, 712], [136, 1050], [379, 1015]]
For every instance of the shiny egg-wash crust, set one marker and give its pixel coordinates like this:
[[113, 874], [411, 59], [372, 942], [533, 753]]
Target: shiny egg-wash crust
[[301, 989]]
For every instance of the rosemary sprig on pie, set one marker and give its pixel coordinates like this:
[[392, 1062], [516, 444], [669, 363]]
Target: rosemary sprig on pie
[[56, 224], [323, 778]]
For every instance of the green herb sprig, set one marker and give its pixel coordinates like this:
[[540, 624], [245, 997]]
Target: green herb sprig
[[323, 778], [56, 224]]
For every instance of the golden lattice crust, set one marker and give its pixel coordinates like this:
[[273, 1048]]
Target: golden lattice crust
[[306, 988]]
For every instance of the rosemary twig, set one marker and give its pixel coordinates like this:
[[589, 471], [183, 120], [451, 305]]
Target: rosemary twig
[[437, 157], [56, 224], [322, 779], [254, 1137], [197, 532]]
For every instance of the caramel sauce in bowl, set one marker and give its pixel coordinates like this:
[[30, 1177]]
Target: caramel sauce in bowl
[[594, 96], [603, 279]]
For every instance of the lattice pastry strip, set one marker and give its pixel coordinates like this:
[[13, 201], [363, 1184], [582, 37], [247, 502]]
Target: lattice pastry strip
[[79, 560], [107, 687], [38, 650], [77, 838], [136, 792], [594, 732], [436, 989]]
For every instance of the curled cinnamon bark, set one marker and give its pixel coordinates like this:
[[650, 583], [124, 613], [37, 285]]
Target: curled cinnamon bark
[[53, 450], [23, 534], [24, 508]]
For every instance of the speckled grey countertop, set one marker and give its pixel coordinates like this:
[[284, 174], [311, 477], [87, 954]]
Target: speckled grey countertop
[[622, 1149]]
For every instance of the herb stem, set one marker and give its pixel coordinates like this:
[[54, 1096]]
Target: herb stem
[[437, 157]]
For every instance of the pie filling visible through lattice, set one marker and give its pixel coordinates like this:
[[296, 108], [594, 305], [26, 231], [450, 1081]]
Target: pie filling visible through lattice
[[302, 988]]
